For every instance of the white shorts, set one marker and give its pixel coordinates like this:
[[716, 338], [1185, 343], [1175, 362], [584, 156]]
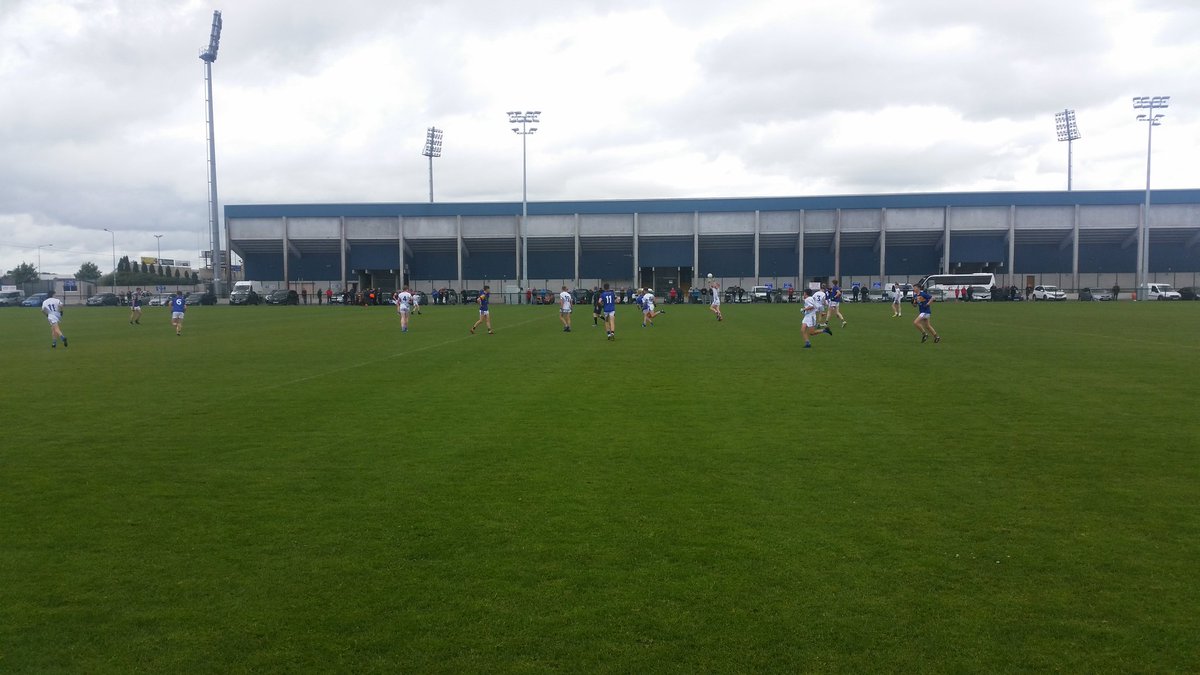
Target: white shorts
[[483, 312], [834, 304], [896, 300], [564, 310], [609, 315], [649, 308], [716, 304], [810, 319], [177, 316], [923, 315], [402, 309], [136, 308], [54, 319]]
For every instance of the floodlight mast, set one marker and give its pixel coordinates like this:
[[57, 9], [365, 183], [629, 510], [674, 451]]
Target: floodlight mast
[[208, 55], [433, 148], [524, 119], [1152, 119], [1064, 123]]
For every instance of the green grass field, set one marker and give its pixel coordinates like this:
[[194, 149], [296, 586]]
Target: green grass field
[[306, 489]]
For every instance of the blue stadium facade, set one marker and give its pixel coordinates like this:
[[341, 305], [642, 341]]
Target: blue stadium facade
[[1072, 239]]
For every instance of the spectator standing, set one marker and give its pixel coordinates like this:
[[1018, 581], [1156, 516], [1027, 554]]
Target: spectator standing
[[304, 295], [329, 296], [1116, 291]]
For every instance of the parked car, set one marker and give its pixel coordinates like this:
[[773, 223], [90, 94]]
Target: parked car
[[582, 296], [736, 294], [1189, 293], [103, 299], [469, 296], [1094, 294], [245, 297], [161, 300], [35, 300], [283, 296], [760, 294], [201, 298], [1044, 292]]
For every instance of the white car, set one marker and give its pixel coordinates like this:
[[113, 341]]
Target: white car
[[1048, 293]]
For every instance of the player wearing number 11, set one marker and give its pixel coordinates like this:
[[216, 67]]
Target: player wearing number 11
[[609, 300]]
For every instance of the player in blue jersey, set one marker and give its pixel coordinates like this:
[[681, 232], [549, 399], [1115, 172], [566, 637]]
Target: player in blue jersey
[[178, 307], [484, 314], [135, 307], [608, 298], [835, 301], [923, 299]]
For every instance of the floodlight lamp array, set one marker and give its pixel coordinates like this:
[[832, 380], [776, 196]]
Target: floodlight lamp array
[[214, 41], [1064, 123], [1151, 102], [433, 143]]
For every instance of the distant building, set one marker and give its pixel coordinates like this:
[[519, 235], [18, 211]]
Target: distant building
[[1075, 238]]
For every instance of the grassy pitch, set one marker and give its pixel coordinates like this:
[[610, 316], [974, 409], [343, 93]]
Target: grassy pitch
[[307, 489]]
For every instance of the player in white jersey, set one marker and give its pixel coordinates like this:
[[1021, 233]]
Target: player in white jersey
[[404, 305], [52, 308], [564, 309], [811, 310], [822, 303], [648, 312], [416, 302], [715, 305]]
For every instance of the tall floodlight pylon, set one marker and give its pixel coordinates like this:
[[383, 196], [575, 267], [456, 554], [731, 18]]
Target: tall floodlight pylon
[[208, 55], [1064, 123], [433, 148]]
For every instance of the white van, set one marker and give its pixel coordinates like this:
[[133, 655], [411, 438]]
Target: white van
[[1155, 291], [11, 298]]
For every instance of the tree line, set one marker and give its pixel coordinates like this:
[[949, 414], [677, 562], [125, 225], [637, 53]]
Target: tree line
[[128, 273]]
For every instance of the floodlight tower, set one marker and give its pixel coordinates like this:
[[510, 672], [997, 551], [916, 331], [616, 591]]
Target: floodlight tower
[[524, 119], [433, 148], [1068, 131], [114, 253], [208, 55], [39, 248], [1151, 118]]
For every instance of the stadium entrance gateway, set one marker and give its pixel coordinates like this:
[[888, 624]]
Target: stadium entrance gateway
[[662, 279]]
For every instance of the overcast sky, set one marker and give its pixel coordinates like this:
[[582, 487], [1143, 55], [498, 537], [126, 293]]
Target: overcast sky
[[102, 118]]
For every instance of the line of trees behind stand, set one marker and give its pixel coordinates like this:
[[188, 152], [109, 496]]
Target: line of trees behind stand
[[128, 274], [141, 274]]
